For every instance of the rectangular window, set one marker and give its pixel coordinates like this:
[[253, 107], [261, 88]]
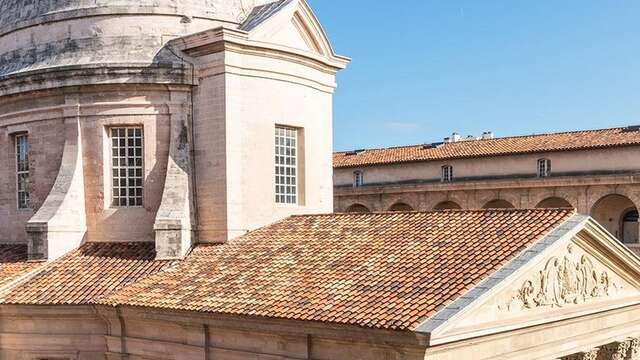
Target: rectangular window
[[126, 166], [358, 179], [286, 165], [22, 170], [544, 168], [447, 173]]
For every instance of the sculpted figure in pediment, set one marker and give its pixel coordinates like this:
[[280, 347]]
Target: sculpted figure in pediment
[[564, 280]]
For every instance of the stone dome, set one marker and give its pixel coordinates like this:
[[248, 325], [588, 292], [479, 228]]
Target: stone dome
[[58, 35]]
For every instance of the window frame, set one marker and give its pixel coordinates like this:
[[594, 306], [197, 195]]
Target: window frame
[[287, 180], [358, 178], [543, 168], [446, 173], [112, 188], [22, 171]]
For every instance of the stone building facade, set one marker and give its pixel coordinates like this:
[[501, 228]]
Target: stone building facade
[[148, 145], [596, 172], [197, 87]]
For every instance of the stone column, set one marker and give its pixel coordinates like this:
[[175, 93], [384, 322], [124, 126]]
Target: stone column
[[174, 225]]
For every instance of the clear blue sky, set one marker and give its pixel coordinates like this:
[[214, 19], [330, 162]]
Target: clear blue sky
[[424, 68]]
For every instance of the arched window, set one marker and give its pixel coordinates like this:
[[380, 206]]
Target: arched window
[[544, 168], [447, 173], [400, 207], [619, 215], [357, 208], [358, 178]]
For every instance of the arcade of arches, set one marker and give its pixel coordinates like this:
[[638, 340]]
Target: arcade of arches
[[615, 207]]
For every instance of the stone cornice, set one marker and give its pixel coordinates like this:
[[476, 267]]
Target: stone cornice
[[224, 38], [346, 333], [79, 75]]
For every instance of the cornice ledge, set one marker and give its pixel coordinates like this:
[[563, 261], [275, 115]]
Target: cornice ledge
[[223, 37]]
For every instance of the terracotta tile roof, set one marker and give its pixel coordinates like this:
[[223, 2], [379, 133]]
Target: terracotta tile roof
[[385, 270], [567, 141], [13, 262], [85, 275]]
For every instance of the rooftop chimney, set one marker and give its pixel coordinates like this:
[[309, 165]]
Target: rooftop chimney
[[487, 135], [455, 137]]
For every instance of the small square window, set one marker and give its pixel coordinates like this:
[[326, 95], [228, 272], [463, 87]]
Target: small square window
[[544, 168], [447, 173]]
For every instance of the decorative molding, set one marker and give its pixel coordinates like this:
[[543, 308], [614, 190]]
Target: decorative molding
[[634, 349], [565, 280], [587, 355]]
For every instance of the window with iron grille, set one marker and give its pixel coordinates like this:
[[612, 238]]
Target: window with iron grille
[[127, 166], [447, 173], [22, 170], [544, 168], [286, 165], [358, 179]]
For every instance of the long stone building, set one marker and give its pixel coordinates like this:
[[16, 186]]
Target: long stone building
[[162, 162], [594, 171]]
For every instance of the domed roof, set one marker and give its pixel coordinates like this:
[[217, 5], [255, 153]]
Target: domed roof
[[19, 13], [105, 33]]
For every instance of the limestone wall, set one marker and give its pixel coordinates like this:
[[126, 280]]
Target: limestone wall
[[20, 115], [241, 96], [88, 333], [97, 108]]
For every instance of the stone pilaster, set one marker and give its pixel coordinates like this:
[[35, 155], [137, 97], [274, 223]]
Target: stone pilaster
[[174, 225], [59, 226]]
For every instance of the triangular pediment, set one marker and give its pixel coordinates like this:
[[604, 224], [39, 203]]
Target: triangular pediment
[[296, 34], [584, 270], [295, 26]]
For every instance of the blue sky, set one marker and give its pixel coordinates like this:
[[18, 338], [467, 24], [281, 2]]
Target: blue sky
[[423, 69]]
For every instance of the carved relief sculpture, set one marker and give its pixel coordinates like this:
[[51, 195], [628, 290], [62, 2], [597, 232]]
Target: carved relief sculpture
[[564, 280]]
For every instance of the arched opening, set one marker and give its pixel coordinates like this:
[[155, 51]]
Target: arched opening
[[554, 203], [400, 207], [619, 215], [447, 205], [498, 204], [358, 208]]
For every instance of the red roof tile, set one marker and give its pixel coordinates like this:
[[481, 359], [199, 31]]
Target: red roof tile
[[568, 141], [13, 262], [388, 270], [87, 274]]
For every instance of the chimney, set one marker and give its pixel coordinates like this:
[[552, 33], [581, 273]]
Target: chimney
[[455, 137], [487, 135]]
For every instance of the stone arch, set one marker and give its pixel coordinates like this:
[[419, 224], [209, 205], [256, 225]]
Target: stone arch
[[358, 208], [400, 206], [447, 205], [554, 202], [498, 204], [618, 214], [508, 196]]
